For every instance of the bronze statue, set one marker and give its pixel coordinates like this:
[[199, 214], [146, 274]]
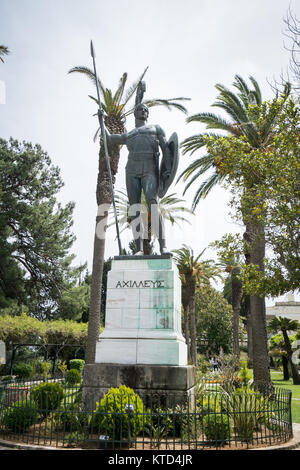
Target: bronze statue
[[143, 171]]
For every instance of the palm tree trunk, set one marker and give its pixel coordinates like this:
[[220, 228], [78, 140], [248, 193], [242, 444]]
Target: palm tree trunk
[[261, 361], [249, 330], [95, 305], [192, 288], [237, 293], [193, 332], [104, 200], [295, 373], [285, 363], [185, 305]]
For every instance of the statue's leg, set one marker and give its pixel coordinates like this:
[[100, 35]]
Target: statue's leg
[[134, 190], [150, 187]]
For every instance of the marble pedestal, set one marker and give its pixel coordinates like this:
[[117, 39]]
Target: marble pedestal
[[142, 344], [143, 313]]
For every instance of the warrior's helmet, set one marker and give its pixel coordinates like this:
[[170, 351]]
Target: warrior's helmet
[[141, 88]]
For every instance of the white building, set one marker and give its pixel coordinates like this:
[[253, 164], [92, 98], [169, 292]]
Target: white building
[[289, 309]]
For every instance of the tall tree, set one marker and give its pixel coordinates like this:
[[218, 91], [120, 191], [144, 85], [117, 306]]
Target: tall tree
[[238, 124], [233, 268], [193, 273], [35, 230], [214, 321], [116, 108], [231, 260], [277, 348], [286, 325]]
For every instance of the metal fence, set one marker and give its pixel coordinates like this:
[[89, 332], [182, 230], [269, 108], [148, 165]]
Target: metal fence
[[51, 414]]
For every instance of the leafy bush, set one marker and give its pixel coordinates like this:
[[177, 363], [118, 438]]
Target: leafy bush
[[247, 408], [45, 369], [7, 378], [217, 428], [244, 373], [62, 367], [23, 370], [204, 365], [71, 418], [208, 404], [20, 416], [77, 364], [73, 377], [47, 396], [26, 329], [158, 422], [74, 439], [112, 419]]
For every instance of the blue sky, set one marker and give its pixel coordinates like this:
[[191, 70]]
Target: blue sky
[[189, 47]]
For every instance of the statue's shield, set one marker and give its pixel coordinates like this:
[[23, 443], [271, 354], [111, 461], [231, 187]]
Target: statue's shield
[[165, 183]]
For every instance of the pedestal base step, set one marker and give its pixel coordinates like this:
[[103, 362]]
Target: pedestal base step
[[172, 384], [150, 351]]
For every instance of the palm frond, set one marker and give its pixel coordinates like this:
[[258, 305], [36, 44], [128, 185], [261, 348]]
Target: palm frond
[[205, 188], [89, 73], [241, 85], [132, 89], [196, 142], [258, 96], [214, 121], [120, 90], [200, 165], [3, 51], [169, 103]]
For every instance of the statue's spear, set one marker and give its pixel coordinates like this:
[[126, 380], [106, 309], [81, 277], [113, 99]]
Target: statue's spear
[[103, 133]]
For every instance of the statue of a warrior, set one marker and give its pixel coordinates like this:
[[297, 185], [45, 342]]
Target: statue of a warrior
[[143, 171]]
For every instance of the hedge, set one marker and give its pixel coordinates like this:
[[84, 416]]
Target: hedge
[[26, 329]]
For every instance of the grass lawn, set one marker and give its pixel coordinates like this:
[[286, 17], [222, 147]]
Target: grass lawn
[[277, 379]]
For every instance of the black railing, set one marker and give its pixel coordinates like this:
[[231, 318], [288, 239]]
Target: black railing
[[53, 415]]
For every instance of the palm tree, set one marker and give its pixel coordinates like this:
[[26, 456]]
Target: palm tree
[[115, 107], [285, 325], [234, 283], [171, 208], [237, 123], [277, 348], [3, 51], [193, 274]]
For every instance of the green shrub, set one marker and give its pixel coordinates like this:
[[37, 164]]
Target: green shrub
[[247, 408], [46, 368], [23, 370], [244, 373], [217, 428], [47, 396], [7, 378], [71, 418], [158, 422], [112, 419], [204, 365], [210, 403], [73, 377], [77, 364], [62, 367], [74, 439], [20, 416], [185, 422]]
